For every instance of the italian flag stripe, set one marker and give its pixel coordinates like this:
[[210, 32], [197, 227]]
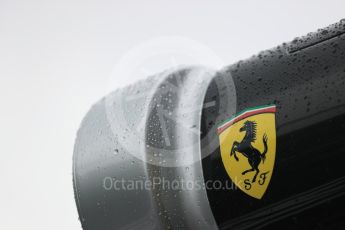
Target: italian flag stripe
[[244, 114]]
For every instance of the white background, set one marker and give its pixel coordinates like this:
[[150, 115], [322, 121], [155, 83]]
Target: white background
[[56, 58]]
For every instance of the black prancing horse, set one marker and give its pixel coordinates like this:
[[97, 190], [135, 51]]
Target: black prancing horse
[[246, 149]]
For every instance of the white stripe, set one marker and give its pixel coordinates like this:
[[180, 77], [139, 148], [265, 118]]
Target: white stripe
[[241, 114]]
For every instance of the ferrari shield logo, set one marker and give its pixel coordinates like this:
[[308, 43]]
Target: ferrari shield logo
[[248, 148]]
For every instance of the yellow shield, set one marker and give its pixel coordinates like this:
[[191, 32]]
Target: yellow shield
[[248, 148]]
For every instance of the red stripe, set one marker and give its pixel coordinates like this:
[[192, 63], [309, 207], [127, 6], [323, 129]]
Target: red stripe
[[245, 115]]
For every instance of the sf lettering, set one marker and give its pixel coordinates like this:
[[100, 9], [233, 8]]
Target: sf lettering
[[262, 180]]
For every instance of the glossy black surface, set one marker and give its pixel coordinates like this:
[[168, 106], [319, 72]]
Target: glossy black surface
[[305, 79]]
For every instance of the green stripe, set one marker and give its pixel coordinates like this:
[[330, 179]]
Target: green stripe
[[244, 111]]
